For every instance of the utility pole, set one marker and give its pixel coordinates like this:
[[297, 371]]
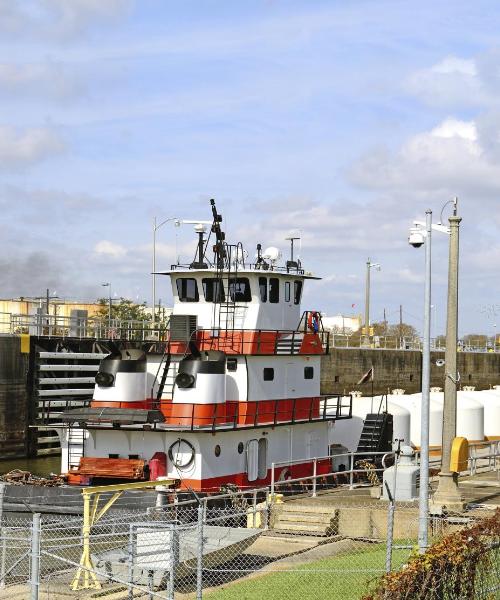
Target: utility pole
[[400, 324], [423, 526], [369, 265], [448, 493], [367, 303]]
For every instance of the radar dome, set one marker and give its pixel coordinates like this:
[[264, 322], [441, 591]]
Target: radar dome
[[272, 253]]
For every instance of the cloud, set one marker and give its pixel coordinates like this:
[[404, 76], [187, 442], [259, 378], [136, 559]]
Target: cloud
[[24, 148], [451, 82], [61, 18], [49, 79], [448, 159], [108, 249]]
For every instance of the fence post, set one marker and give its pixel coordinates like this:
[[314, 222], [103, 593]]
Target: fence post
[[315, 470], [199, 562], [130, 594], [35, 556], [272, 480], [351, 474], [2, 537], [254, 505]]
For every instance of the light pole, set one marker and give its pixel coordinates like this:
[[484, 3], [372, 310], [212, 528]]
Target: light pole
[[108, 285], [448, 493], [416, 238], [155, 229], [369, 266]]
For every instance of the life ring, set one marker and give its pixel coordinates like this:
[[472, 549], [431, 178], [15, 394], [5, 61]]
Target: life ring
[[181, 454], [313, 321]]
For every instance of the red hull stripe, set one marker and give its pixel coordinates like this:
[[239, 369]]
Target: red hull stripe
[[213, 484]]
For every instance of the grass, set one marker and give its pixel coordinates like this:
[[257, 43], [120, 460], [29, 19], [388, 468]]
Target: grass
[[342, 577]]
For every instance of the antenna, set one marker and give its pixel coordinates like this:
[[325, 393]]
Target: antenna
[[292, 264], [220, 236]]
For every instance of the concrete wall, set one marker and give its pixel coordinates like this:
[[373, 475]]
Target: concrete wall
[[13, 398], [344, 367]]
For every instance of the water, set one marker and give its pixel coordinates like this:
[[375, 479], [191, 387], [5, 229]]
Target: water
[[42, 466]]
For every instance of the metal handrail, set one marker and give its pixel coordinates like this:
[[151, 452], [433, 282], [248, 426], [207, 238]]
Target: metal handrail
[[314, 477]]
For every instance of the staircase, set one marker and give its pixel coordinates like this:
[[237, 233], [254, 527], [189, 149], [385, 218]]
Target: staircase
[[307, 519], [63, 380], [166, 391], [376, 435], [76, 438]]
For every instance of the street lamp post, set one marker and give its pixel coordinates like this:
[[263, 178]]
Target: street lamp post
[[426, 382], [448, 493], [108, 285], [369, 266], [155, 229]]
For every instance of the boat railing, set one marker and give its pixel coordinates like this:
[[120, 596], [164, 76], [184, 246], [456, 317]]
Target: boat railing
[[354, 460], [264, 341], [292, 270], [243, 415]]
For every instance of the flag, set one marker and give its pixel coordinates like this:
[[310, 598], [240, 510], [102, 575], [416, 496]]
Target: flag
[[368, 376]]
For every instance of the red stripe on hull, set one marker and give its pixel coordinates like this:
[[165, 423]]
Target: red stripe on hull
[[213, 484], [147, 404]]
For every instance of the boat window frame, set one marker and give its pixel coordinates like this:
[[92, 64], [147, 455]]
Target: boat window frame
[[221, 291], [309, 372], [298, 286], [288, 291], [247, 296], [263, 289], [274, 292], [268, 374], [180, 295]]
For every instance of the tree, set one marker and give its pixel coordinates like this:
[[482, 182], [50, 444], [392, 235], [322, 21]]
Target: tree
[[123, 310], [402, 330]]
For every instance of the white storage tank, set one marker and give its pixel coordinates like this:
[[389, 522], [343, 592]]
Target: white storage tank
[[348, 431], [490, 400], [413, 403], [470, 416]]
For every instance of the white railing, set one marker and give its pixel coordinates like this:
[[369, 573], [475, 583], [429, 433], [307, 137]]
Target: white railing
[[75, 327], [484, 455]]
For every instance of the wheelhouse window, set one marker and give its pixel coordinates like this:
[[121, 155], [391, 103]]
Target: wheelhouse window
[[274, 290], [232, 364], [239, 289], [187, 289], [268, 374], [297, 291], [308, 372], [213, 290], [263, 289], [287, 291]]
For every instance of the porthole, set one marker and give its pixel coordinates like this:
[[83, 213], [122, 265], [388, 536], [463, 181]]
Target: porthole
[[217, 450], [241, 447]]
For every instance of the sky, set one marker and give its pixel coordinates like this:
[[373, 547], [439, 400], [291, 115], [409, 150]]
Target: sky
[[339, 121]]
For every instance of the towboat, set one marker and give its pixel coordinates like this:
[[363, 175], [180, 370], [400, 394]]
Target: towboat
[[233, 386]]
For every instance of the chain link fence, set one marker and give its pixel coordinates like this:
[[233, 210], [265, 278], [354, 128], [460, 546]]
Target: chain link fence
[[244, 545]]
